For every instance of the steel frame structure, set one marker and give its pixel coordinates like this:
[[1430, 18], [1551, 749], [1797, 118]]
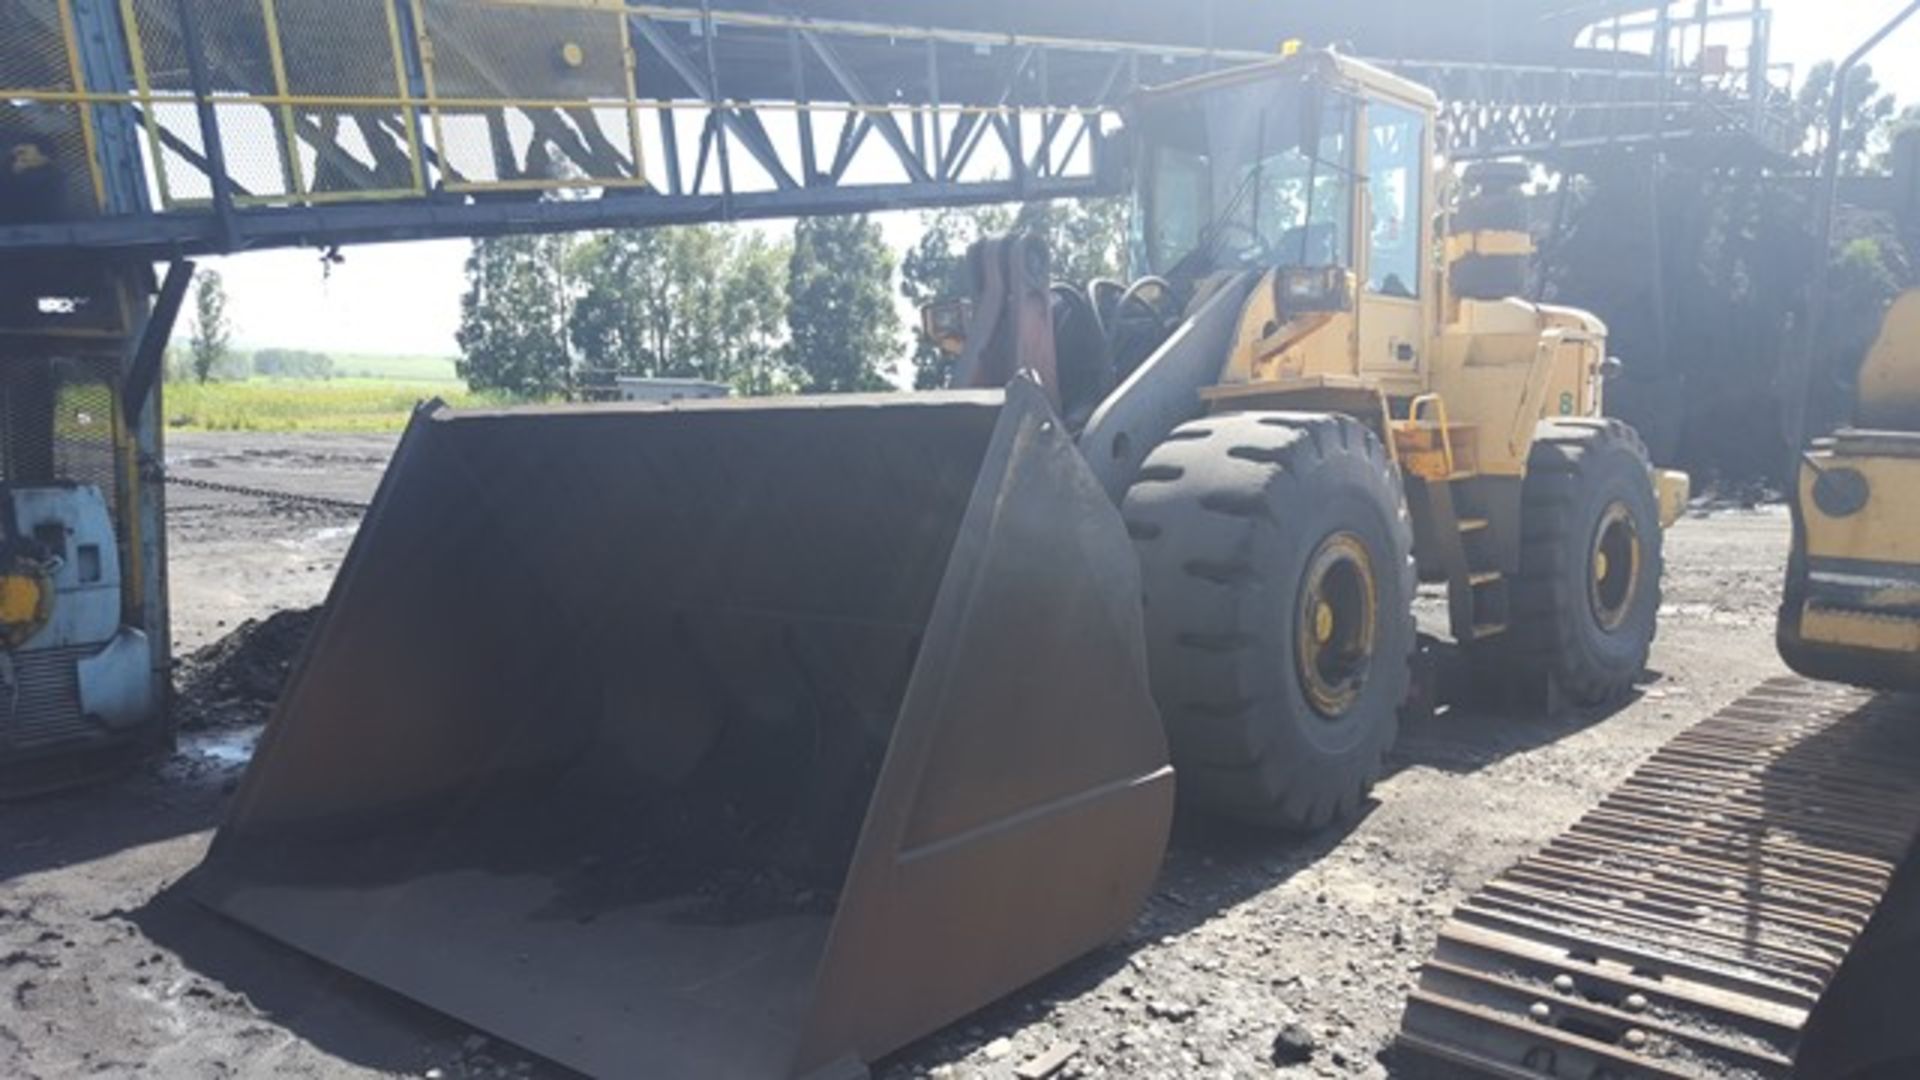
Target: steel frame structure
[[727, 115]]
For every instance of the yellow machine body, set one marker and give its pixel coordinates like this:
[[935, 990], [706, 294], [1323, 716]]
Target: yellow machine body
[[1494, 368], [1852, 608], [1457, 383]]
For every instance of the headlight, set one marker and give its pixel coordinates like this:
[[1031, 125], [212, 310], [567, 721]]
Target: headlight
[[945, 323], [1314, 288]]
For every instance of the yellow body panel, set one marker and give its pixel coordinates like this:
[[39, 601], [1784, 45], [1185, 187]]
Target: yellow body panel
[[1500, 368], [20, 599], [26, 605], [1861, 592], [1674, 490], [1853, 593], [1859, 630], [1890, 378], [1885, 530], [1270, 347], [1504, 366]]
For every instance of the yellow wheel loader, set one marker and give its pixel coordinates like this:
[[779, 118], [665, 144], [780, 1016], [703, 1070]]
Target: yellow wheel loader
[[760, 739], [1852, 606]]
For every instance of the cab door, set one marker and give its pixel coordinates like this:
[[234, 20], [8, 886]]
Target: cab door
[[1394, 305]]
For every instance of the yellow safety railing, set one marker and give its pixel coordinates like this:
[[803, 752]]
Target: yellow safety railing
[[1435, 405]]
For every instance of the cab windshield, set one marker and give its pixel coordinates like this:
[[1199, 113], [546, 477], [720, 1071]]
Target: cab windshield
[[1247, 176]]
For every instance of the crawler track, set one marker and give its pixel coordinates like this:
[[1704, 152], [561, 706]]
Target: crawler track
[[1690, 924]]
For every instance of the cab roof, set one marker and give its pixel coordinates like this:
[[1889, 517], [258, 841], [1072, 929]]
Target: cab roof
[[1325, 65]]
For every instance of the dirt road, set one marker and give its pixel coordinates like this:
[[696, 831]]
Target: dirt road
[[1254, 954]]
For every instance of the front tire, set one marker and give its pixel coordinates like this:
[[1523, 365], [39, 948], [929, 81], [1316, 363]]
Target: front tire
[[1587, 600], [1276, 554]]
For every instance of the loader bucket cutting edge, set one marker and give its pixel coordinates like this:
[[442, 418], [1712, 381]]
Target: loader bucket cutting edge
[[719, 740]]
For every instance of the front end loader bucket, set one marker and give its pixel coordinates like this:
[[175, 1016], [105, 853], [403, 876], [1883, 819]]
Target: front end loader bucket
[[716, 740]]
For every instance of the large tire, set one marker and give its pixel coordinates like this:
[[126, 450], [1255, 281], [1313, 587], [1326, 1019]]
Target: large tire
[[1584, 620], [1233, 517]]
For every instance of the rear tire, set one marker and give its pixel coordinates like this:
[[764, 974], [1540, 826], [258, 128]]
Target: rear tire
[[1586, 604], [1276, 554]]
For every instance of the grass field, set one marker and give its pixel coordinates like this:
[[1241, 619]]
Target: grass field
[[351, 405]]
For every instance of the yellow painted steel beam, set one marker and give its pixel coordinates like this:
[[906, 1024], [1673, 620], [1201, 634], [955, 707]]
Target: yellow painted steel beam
[[276, 56], [79, 82], [407, 111]]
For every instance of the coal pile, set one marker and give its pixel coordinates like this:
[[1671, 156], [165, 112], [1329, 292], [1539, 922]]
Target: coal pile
[[236, 680]]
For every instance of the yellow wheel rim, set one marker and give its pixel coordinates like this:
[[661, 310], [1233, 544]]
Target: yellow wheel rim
[[1323, 624], [1618, 554], [1339, 625]]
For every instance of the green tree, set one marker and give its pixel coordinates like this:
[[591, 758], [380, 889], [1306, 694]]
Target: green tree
[[1905, 126], [842, 328], [1088, 239], [212, 331], [621, 322], [1870, 111], [754, 299], [693, 302], [1712, 340], [514, 316], [1868, 272]]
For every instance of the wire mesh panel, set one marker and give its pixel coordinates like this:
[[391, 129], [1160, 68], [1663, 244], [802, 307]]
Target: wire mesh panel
[[85, 436], [58, 425], [233, 39], [354, 134], [310, 98], [531, 96], [46, 160], [36, 55]]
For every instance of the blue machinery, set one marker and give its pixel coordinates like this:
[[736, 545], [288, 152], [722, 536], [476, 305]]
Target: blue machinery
[[135, 132]]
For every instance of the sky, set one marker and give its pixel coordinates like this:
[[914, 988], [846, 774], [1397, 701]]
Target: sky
[[405, 298]]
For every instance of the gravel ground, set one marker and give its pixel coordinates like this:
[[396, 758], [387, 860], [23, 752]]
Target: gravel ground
[[1257, 957]]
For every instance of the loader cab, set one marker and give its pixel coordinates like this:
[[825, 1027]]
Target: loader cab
[[1315, 166], [1249, 176]]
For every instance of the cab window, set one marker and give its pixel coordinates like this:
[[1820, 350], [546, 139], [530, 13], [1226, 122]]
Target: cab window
[[1396, 169], [1181, 204]]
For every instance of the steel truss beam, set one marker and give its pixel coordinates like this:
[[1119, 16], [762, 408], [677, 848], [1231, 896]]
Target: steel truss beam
[[912, 117]]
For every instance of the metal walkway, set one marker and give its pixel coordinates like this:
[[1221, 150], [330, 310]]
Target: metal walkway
[[194, 126], [1690, 925]]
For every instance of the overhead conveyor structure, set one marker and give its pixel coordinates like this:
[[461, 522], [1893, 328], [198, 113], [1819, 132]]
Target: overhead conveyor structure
[[184, 127]]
